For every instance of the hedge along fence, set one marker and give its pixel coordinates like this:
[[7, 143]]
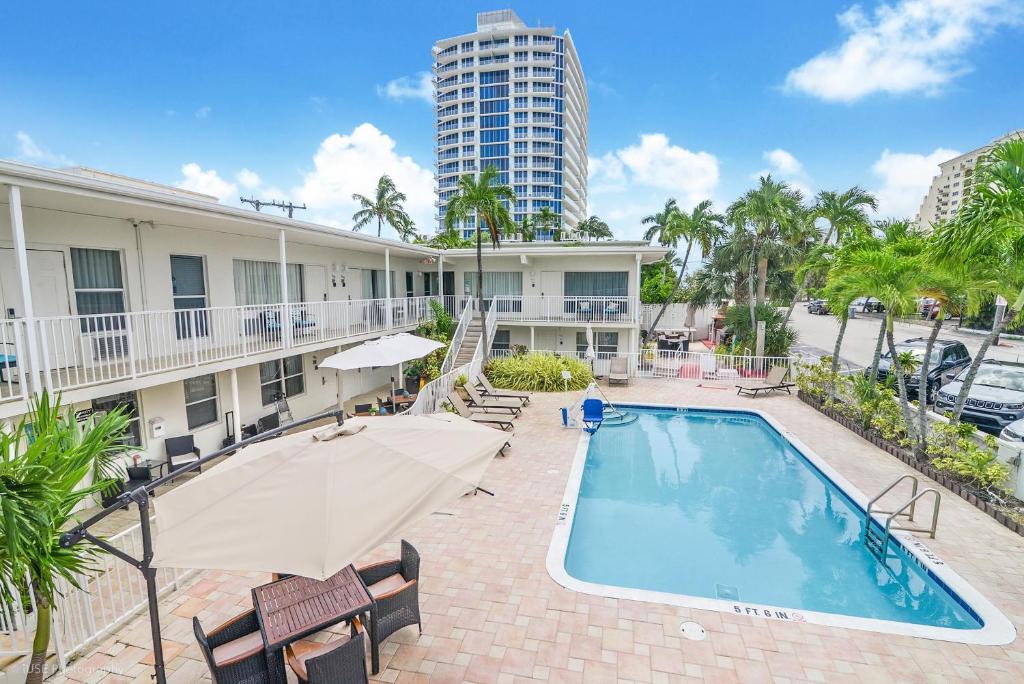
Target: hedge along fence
[[959, 488]]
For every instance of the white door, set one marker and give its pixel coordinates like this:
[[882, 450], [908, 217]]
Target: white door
[[48, 282], [315, 290], [551, 295]]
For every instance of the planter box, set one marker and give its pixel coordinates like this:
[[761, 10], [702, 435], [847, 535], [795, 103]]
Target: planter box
[[922, 467]]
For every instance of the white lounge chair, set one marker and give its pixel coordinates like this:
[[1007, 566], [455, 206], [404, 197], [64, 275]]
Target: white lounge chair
[[775, 380], [618, 373]]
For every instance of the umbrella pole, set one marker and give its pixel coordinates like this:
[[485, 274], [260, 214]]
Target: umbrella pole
[[152, 595]]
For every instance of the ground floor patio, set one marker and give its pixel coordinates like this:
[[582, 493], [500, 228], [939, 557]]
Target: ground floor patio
[[491, 612]]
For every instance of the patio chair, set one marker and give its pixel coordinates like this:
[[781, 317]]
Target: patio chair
[[455, 399], [618, 372], [593, 414], [774, 381], [488, 405], [180, 452], [487, 389], [341, 660], [8, 362], [363, 408], [234, 652], [583, 310], [394, 586], [611, 311]]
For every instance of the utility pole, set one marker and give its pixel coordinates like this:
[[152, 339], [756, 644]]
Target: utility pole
[[287, 206]]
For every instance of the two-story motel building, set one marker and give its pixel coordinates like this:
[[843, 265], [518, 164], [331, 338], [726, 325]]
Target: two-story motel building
[[116, 291]]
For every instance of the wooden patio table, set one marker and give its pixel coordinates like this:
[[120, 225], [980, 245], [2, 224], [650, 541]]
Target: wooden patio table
[[295, 607]]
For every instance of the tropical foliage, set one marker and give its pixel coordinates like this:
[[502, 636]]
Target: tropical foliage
[[778, 336], [538, 372], [594, 228], [46, 462], [386, 206]]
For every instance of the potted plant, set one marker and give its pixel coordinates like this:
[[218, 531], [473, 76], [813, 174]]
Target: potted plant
[[44, 462], [412, 376]]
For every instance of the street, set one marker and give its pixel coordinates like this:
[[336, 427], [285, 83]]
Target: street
[[817, 335]]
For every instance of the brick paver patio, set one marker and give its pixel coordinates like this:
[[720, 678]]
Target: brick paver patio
[[491, 613]]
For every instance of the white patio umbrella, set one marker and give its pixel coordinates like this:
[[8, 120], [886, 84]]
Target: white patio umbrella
[[590, 354], [390, 350], [307, 507]]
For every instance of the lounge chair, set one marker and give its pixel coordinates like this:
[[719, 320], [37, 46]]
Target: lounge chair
[[394, 586], [618, 373], [487, 389], [342, 659], [486, 418], [513, 406], [234, 651], [775, 380]]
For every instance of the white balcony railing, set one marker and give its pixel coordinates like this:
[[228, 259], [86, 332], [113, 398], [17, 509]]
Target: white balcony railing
[[12, 360], [77, 351], [579, 310]]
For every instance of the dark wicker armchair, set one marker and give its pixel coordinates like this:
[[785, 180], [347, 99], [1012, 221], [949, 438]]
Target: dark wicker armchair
[[234, 651], [341, 661], [394, 587]]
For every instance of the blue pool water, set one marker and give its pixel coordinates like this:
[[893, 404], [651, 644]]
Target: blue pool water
[[717, 504]]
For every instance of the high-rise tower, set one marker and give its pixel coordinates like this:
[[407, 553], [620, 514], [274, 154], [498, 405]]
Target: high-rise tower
[[513, 97]]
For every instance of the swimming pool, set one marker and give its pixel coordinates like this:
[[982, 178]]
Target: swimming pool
[[724, 510]]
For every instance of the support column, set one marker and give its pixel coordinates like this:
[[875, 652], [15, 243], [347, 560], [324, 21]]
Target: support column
[[286, 322], [236, 414], [440, 276], [28, 313], [389, 313], [532, 345], [636, 300]]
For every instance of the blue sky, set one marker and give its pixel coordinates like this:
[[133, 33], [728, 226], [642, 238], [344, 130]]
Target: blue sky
[[313, 100]]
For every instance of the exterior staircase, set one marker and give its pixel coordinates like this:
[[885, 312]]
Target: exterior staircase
[[469, 343]]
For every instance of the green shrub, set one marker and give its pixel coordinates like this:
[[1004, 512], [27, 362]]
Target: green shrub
[[778, 337], [536, 372], [954, 450]]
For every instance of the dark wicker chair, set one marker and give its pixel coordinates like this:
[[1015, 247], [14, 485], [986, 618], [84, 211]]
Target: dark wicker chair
[[234, 652], [181, 451], [341, 661], [394, 586]]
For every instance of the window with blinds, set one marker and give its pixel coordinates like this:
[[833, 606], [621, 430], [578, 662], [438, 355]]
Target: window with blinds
[[496, 283], [374, 286], [259, 282], [597, 284], [188, 290], [99, 288]]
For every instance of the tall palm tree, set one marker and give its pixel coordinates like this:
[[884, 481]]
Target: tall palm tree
[[42, 471], [987, 234], [701, 226], [846, 212], [485, 202], [594, 227], [527, 229], [770, 212], [546, 219], [656, 222], [386, 206]]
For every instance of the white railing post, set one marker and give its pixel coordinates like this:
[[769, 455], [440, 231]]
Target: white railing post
[[130, 335]]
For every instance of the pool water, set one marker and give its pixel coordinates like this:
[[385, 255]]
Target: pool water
[[718, 504]]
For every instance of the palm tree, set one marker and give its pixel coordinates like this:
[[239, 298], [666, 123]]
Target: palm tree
[[657, 222], [41, 476], [770, 212], [846, 212], [527, 229], [485, 202], [546, 219], [702, 226], [987, 235], [594, 227], [386, 206]]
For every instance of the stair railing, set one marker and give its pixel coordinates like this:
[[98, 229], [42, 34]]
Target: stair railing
[[465, 319]]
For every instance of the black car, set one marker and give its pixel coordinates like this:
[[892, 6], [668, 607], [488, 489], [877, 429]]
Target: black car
[[868, 305], [948, 357], [818, 306], [996, 398]]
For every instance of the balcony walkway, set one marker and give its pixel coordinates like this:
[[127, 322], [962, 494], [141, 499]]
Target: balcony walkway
[[491, 613]]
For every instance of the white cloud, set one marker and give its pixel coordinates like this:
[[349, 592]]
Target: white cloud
[[352, 163], [905, 179], [634, 181], [30, 151], [784, 166], [417, 87], [203, 112], [207, 182], [250, 180], [907, 47]]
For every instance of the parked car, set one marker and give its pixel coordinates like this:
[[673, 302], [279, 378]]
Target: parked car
[[868, 305], [1014, 432], [996, 398], [948, 357], [818, 306]]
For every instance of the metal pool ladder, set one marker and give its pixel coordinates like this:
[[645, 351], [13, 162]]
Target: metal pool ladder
[[878, 542]]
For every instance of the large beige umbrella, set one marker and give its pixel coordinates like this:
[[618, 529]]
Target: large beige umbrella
[[307, 507]]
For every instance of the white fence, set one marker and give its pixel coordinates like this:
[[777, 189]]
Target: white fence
[[12, 359], [76, 351], [110, 595]]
